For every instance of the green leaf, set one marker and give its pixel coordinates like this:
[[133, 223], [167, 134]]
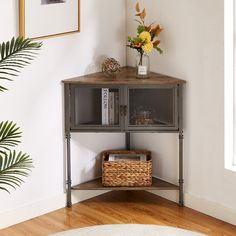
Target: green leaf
[[129, 39], [16, 53], [12, 45], [159, 50], [137, 40], [2, 89], [13, 166], [3, 50], [9, 135], [6, 73], [140, 29], [7, 48]]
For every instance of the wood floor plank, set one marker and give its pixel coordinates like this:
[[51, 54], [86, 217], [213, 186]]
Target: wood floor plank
[[119, 207]]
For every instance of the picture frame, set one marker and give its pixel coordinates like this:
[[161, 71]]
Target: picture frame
[[48, 18]]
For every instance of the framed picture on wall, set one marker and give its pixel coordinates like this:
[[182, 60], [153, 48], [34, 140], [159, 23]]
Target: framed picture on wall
[[46, 18]]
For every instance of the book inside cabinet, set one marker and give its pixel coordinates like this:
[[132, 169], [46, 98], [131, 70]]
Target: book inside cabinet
[[95, 106]]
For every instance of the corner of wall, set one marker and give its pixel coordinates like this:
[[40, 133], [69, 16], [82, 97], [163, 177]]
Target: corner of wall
[[126, 29], [202, 205]]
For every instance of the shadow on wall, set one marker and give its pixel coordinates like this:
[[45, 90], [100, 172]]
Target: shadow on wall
[[106, 35], [97, 22], [92, 169], [96, 64]]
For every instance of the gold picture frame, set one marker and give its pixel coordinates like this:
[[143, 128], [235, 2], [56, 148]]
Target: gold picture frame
[[23, 20]]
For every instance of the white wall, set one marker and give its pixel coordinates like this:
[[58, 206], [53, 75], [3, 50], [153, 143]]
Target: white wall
[[35, 102], [193, 45]]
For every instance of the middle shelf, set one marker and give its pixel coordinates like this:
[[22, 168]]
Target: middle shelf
[[96, 184]]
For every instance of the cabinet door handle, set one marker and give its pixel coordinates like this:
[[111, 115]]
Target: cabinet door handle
[[125, 110], [121, 110]]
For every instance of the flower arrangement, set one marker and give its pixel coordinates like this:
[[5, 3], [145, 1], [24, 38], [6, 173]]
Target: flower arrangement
[[146, 39], [147, 35]]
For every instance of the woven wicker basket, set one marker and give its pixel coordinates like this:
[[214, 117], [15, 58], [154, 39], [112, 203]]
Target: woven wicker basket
[[126, 172]]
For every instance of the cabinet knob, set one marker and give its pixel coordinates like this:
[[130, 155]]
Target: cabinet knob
[[125, 110], [121, 110]]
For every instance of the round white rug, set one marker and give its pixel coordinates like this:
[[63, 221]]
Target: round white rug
[[128, 230]]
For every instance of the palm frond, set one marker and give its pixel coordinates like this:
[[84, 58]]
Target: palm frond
[[14, 55], [13, 166], [9, 135], [2, 89]]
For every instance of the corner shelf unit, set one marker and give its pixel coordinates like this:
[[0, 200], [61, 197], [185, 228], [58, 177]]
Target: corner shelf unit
[[135, 105]]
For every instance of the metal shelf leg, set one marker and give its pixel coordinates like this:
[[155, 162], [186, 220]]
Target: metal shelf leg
[[181, 176], [127, 140], [68, 165]]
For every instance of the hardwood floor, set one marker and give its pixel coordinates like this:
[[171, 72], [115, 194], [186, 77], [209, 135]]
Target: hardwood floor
[[121, 207]]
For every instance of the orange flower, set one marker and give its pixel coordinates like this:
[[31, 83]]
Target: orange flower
[[137, 45]]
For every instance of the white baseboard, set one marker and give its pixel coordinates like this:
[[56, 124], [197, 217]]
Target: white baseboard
[[202, 205], [42, 207]]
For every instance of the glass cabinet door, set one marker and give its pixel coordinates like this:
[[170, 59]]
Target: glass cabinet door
[[95, 108], [152, 108]]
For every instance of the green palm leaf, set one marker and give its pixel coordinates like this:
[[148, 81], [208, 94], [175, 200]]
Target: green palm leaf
[[9, 135], [13, 166], [14, 55]]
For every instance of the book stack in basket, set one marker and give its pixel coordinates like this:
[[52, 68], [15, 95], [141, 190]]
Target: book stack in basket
[[126, 168]]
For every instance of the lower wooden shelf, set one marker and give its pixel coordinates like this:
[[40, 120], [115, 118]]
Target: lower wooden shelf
[[96, 184]]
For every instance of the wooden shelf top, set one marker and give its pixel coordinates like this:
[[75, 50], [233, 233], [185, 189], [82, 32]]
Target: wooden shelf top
[[125, 77], [157, 184]]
